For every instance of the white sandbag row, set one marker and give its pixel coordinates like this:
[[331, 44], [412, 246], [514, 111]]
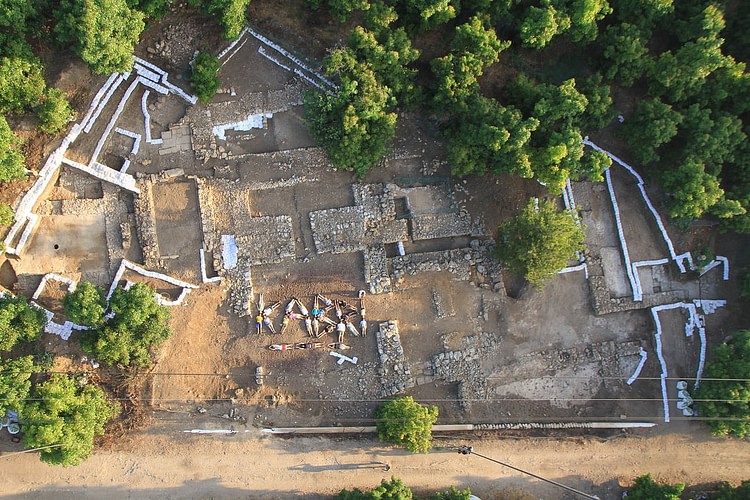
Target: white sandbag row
[[718, 260], [638, 291], [94, 115], [278, 63], [234, 51], [54, 277], [621, 234], [637, 372], [135, 136], [126, 265], [677, 258], [232, 45], [580, 267], [709, 306], [292, 58], [147, 119], [163, 77], [115, 117], [103, 172], [204, 275]]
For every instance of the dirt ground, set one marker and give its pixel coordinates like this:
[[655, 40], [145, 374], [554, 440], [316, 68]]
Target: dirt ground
[[543, 355], [167, 463]]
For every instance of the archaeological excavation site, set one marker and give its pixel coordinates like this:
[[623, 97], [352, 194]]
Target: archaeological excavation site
[[301, 295]]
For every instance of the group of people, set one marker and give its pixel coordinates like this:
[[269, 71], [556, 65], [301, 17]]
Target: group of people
[[327, 316]]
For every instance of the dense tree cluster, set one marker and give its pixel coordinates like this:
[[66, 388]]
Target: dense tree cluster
[[139, 323], [64, 416], [727, 401], [19, 322], [356, 122]]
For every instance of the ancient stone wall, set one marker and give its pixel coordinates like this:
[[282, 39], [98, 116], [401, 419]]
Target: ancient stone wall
[[394, 371]]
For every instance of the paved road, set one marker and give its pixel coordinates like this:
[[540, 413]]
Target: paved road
[[163, 464]]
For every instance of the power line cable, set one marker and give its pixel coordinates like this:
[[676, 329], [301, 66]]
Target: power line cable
[[469, 450]]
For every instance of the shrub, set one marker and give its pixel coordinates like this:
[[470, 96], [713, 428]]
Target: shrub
[[205, 79], [19, 321], [54, 112], [406, 422]]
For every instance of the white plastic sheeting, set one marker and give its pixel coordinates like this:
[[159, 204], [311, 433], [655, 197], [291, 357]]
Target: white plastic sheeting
[[289, 56], [249, 123], [695, 322], [229, 251]]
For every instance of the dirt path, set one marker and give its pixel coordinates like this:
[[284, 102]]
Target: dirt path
[[177, 465]]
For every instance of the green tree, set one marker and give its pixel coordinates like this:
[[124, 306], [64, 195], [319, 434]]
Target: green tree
[[422, 15], [68, 416], [86, 305], [645, 488], [599, 110], [453, 494], [11, 158], [341, 9], [681, 74], [21, 83], [151, 8], [356, 124], [626, 56], [584, 15], [727, 401], [654, 123], [231, 14], [541, 24], [474, 47], [643, 13], [19, 322], [394, 489], [404, 421], [387, 52], [691, 190], [711, 136], [103, 32], [15, 383], [489, 137], [204, 77], [538, 243], [138, 325], [54, 112], [6, 214], [729, 492]]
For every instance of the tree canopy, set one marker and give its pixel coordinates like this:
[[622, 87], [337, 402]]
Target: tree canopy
[[12, 164], [15, 383], [539, 241], [406, 422], [726, 403], [86, 305], [204, 77], [645, 488], [394, 489], [19, 322], [68, 416], [102, 32], [139, 323]]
